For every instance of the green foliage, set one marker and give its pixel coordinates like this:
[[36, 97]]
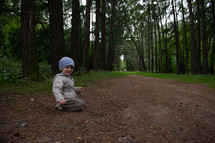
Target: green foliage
[[33, 88], [46, 71], [42, 44], [130, 56], [10, 72], [132, 11], [20, 109], [122, 65], [12, 43], [9, 75]]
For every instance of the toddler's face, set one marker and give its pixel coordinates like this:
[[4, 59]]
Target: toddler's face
[[68, 70]]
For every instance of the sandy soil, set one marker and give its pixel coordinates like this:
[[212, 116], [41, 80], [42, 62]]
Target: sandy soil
[[132, 109]]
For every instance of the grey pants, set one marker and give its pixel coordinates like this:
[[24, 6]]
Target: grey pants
[[73, 105]]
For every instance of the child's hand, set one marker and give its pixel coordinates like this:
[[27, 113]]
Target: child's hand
[[80, 89], [63, 101]]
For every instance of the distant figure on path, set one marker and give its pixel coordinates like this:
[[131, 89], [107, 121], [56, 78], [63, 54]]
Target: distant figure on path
[[64, 89]]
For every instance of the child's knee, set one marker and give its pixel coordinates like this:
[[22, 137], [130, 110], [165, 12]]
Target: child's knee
[[82, 102]]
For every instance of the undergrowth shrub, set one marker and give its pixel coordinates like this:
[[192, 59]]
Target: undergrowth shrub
[[10, 72], [46, 71]]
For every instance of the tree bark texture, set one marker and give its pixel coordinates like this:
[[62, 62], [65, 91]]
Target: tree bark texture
[[149, 43], [87, 37], [160, 51], [75, 45], [152, 47], [176, 39], [198, 53], [57, 33], [96, 50], [166, 48], [193, 38], [185, 39], [165, 42], [143, 51], [103, 37], [213, 48], [111, 47], [30, 67], [212, 58], [156, 59], [204, 40]]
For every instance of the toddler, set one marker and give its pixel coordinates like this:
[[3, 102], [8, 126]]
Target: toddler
[[64, 89]]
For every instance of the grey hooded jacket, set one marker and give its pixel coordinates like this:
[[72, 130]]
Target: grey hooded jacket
[[63, 87]]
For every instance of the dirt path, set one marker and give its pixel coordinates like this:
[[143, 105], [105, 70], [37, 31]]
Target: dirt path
[[133, 109]]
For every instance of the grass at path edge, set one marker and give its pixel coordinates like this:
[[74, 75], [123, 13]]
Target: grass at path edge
[[209, 80], [34, 88]]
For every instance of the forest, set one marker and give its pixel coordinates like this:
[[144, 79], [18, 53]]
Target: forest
[[156, 36], [146, 69]]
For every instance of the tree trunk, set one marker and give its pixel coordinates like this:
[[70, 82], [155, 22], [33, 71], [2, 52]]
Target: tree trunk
[[87, 37], [198, 54], [160, 57], [111, 38], [149, 51], [92, 35], [149, 46], [165, 42], [57, 33], [145, 39], [193, 38], [30, 67], [204, 40], [185, 39], [152, 45], [152, 48], [75, 45], [212, 58], [143, 53], [117, 58], [176, 39], [166, 49], [103, 37], [96, 50], [156, 64], [180, 50]]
